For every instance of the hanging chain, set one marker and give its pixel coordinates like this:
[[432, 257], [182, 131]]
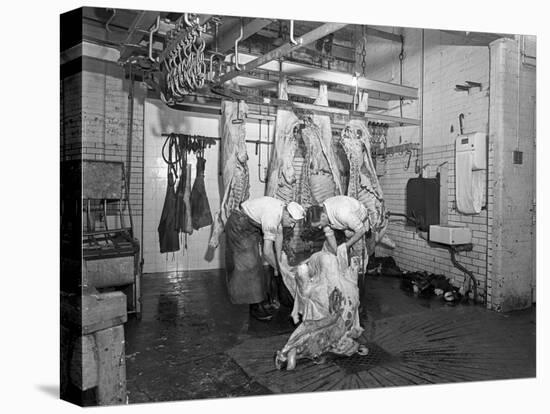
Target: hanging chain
[[401, 57], [364, 52]]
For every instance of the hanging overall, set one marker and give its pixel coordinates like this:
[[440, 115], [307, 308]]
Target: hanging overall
[[200, 208], [183, 191], [168, 233]]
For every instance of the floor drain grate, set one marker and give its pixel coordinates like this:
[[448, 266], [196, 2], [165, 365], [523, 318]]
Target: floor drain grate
[[377, 356]]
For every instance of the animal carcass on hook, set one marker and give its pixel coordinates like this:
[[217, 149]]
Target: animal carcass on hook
[[235, 174]]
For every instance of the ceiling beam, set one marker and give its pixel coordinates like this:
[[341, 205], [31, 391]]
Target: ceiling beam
[[285, 49], [226, 38], [384, 35], [299, 70], [458, 38], [143, 21]]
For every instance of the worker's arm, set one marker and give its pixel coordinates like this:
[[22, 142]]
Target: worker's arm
[[331, 240], [356, 236], [269, 253], [279, 244]]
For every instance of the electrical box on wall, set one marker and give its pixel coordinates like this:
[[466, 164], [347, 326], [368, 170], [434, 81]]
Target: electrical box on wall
[[423, 202]]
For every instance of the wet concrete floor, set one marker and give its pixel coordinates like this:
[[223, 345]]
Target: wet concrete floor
[[179, 348]]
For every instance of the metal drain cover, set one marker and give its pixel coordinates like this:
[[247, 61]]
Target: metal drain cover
[[376, 357]]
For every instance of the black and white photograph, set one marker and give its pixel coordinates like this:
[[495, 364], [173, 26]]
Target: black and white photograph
[[260, 204]]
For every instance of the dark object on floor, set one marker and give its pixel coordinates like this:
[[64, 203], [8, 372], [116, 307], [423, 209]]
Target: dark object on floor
[[384, 266], [168, 234], [426, 284], [200, 208], [260, 312]]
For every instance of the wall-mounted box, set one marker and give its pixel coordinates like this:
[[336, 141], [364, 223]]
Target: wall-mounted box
[[450, 235]]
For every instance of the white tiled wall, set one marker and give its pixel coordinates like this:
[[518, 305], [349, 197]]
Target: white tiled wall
[[160, 119]]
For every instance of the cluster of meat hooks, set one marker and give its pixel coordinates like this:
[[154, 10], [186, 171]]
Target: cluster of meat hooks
[[183, 66]]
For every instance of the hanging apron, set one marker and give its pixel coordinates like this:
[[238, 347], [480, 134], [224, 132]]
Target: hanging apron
[[200, 208], [168, 233], [246, 281]]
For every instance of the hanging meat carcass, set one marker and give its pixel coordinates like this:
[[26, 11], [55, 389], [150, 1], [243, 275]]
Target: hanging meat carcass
[[282, 175], [235, 174], [363, 181], [324, 176], [303, 167], [327, 301]]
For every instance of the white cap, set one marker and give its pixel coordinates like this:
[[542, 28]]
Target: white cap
[[295, 210]]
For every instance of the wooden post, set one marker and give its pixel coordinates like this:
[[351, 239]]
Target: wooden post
[[98, 354], [111, 366]]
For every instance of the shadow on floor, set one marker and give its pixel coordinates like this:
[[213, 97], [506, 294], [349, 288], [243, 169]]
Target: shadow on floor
[[193, 343], [51, 390]]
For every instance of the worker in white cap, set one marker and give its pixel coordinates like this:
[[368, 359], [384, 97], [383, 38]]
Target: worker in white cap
[[259, 220]]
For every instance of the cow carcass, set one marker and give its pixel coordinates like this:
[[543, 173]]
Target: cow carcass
[[326, 300], [235, 173]]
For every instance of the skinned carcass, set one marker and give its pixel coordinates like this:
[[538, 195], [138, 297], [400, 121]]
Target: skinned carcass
[[303, 167], [324, 176], [363, 181], [281, 172], [326, 298], [235, 173]]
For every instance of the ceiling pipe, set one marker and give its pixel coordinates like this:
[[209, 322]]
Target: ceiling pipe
[[110, 20], [292, 40], [237, 40], [153, 30]]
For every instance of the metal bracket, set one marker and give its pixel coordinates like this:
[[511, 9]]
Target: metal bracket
[[469, 85]]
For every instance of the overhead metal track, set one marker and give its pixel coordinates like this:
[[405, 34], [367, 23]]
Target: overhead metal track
[[284, 50], [307, 91], [300, 70], [142, 22]]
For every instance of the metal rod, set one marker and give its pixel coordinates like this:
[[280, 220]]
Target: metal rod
[[237, 40], [285, 49], [421, 98], [128, 173], [250, 141]]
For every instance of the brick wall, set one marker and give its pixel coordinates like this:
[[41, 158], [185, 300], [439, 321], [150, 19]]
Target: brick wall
[[412, 253], [70, 117], [444, 67], [94, 123]]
